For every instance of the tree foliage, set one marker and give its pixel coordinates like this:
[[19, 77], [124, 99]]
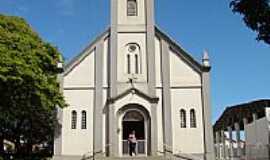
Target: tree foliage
[[256, 15], [29, 90]]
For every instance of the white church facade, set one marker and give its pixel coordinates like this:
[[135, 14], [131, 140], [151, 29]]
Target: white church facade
[[135, 77]]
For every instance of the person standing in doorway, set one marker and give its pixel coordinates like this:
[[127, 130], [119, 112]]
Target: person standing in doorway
[[132, 143]]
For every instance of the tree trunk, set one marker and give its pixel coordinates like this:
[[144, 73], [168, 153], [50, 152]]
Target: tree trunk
[[29, 149], [1, 145], [18, 150]]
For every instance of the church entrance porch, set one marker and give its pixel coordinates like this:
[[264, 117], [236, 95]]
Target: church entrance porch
[[134, 119]]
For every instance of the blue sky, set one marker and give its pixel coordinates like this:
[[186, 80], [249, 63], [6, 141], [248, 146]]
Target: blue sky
[[241, 65]]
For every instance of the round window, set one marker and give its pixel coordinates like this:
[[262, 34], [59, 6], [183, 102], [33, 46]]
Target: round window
[[132, 48]]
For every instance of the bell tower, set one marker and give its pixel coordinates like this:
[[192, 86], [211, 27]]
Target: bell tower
[[132, 30], [132, 15], [132, 56]]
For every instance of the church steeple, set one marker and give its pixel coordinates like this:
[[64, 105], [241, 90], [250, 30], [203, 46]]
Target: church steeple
[[132, 44], [132, 15]]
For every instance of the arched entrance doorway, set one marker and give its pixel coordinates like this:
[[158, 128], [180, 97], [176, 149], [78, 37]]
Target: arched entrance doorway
[[135, 118]]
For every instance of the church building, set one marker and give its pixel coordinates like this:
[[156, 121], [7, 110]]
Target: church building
[[134, 77]]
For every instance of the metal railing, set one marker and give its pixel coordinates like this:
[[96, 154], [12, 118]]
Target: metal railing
[[140, 147]]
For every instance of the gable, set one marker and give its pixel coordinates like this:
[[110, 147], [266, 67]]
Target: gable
[[184, 69], [80, 71], [74, 61], [181, 73], [179, 50], [83, 73]]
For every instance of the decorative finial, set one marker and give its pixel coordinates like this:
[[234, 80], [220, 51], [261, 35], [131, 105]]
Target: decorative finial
[[205, 60]]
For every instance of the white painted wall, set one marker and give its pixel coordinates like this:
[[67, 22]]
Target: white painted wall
[[158, 62], [181, 74], [106, 63], [187, 140], [83, 74], [105, 97], [159, 121], [77, 141]]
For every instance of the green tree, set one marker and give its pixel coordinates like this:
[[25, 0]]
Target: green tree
[[29, 89], [256, 15]]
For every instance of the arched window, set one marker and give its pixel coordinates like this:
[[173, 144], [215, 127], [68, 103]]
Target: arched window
[[131, 7], [128, 64], [133, 59], [73, 120], [183, 122], [136, 64], [84, 120], [193, 123]]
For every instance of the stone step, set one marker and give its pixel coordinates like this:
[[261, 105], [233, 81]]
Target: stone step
[[143, 158], [139, 158], [183, 157]]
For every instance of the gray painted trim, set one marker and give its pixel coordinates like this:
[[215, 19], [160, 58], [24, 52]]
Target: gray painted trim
[[58, 130], [166, 94], [186, 87], [134, 91], [79, 88], [82, 88], [113, 49], [150, 44], [179, 50], [208, 129], [154, 131], [150, 17], [98, 99], [80, 57], [113, 144], [112, 137], [182, 87]]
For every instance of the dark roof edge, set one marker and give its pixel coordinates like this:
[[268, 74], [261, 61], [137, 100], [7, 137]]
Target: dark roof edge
[[73, 62], [265, 102], [175, 46]]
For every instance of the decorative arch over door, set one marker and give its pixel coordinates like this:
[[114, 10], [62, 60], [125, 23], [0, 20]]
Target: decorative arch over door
[[134, 117]]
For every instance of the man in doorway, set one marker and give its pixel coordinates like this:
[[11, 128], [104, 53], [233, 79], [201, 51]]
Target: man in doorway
[[132, 143]]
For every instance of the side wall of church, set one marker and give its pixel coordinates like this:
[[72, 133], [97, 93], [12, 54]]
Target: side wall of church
[[79, 86], [186, 95]]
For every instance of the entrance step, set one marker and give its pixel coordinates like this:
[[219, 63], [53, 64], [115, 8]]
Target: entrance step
[[124, 158], [145, 158]]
